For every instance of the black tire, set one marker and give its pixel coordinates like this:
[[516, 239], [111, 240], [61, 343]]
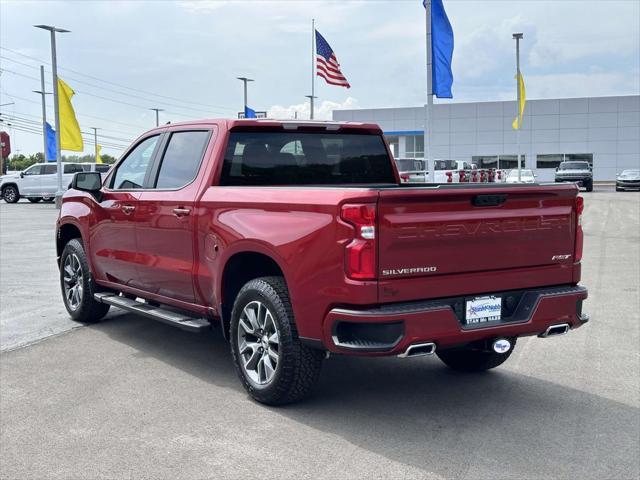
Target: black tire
[[34, 199], [87, 309], [590, 187], [298, 366], [48, 199], [476, 357], [618, 189], [10, 194]]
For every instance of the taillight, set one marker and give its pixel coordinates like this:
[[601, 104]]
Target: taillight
[[579, 233], [360, 253]]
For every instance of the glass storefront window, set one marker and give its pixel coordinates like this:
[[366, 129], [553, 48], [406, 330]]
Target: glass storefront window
[[553, 160], [415, 146], [502, 162]]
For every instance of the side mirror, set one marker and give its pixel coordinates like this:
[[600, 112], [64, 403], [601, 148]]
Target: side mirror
[[21, 174], [557, 168], [87, 182]]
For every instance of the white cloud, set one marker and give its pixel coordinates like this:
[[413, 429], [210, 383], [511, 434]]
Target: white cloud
[[321, 112]]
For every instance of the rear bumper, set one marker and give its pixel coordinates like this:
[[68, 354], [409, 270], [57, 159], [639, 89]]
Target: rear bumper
[[582, 181], [391, 329]]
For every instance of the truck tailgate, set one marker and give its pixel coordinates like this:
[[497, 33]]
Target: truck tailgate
[[457, 233]]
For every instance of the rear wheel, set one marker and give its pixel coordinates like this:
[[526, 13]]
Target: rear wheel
[[78, 286], [475, 357], [10, 194], [273, 365], [34, 199], [589, 187]]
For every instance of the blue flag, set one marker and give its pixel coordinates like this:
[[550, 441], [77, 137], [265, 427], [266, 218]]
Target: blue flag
[[249, 112], [51, 143], [441, 50]]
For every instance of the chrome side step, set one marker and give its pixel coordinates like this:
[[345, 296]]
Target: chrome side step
[[161, 314]]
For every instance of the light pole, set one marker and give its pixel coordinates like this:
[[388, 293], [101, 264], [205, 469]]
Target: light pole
[[311, 99], [95, 143], [157, 110], [42, 94], [245, 80], [517, 37], [56, 109]]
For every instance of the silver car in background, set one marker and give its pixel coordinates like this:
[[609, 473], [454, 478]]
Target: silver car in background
[[526, 176], [628, 180]]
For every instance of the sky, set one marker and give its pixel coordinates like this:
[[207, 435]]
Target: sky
[[124, 57]]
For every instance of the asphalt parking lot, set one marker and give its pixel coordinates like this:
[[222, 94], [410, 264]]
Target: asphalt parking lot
[[132, 398]]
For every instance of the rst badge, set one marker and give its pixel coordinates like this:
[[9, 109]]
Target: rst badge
[[555, 258]]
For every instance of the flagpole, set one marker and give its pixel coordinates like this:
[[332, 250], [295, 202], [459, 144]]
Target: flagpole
[[313, 64], [518, 37], [56, 106], [428, 111], [44, 113]]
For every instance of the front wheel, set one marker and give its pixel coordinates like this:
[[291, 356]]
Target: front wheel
[[34, 199], [273, 365], [78, 286], [476, 357], [10, 194], [590, 187]]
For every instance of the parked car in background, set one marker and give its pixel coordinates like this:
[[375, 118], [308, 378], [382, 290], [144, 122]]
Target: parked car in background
[[628, 180], [526, 176], [576, 172], [297, 239], [40, 181], [412, 170]]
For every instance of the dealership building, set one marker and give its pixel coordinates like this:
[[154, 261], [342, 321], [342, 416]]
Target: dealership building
[[602, 130]]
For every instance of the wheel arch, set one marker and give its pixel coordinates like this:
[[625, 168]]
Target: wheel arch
[[66, 232], [7, 184], [240, 268]]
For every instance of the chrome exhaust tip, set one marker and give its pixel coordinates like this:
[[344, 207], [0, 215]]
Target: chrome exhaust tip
[[419, 350], [555, 330]]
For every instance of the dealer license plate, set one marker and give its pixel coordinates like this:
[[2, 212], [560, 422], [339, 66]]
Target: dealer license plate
[[483, 309]]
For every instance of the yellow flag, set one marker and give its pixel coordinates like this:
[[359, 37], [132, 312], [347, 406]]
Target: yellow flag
[[98, 157], [70, 136], [517, 122]]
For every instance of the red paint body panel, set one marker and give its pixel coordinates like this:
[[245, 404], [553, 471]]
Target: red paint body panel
[[180, 260]]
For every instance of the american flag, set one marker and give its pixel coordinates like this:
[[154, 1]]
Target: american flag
[[327, 65]]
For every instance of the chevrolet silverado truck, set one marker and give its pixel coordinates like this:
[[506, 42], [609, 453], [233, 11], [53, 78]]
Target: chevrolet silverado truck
[[298, 240]]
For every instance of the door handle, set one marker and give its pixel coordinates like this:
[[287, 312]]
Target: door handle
[[181, 212], [128, 209]]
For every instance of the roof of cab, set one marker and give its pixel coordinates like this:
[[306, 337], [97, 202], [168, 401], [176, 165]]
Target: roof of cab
[[229, 124]]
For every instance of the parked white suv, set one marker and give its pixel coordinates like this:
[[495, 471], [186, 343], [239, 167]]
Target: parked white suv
[[40, 181]]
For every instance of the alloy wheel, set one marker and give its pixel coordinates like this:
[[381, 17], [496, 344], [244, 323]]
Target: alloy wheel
[[73, 281], [258, 343]]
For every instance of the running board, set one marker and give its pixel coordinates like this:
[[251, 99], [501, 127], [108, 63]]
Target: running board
[[163, 315]]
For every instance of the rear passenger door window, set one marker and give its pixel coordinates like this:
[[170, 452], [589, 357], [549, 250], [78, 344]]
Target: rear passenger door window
[[131, 172], [182, 158], [72, 168]]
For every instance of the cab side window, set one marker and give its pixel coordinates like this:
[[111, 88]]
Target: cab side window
[[131, 172], [35, 170], [49, 169], [182, 158]]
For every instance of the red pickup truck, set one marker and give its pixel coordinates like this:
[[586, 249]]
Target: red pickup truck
[[299, 240]]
